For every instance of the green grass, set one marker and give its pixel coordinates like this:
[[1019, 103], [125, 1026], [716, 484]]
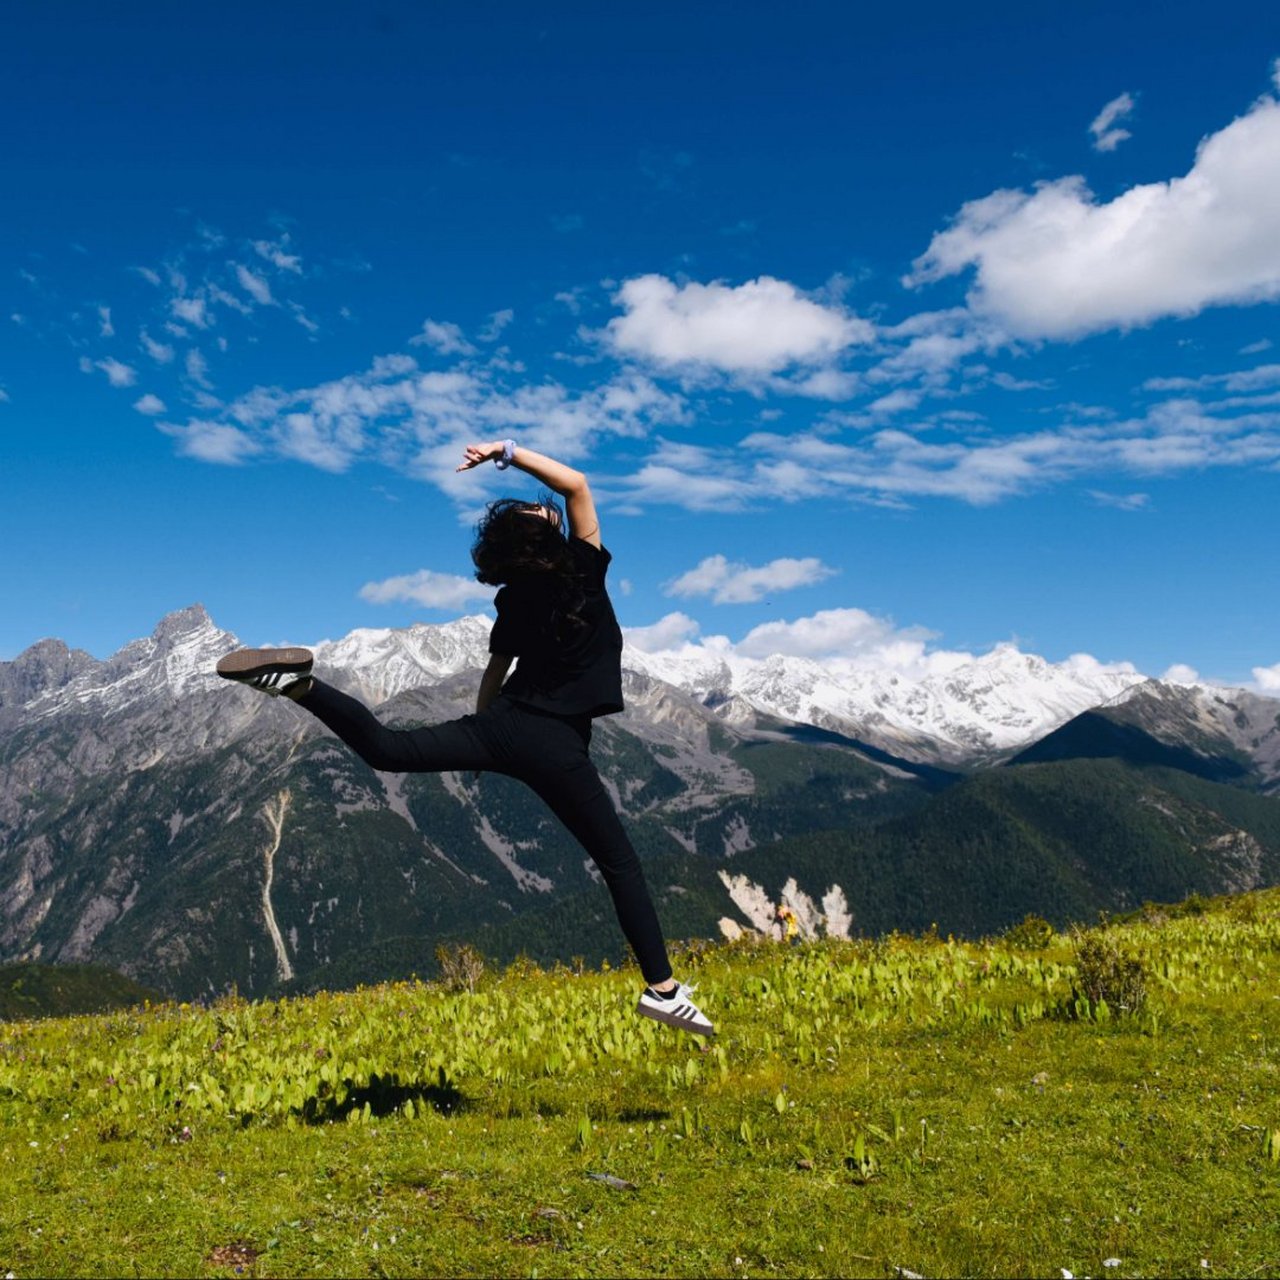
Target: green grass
[[909, 1102]]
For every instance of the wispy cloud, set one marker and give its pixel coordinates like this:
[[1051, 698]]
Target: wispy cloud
[[275, 252], [428, 588], [735, 582], [160, 352], [192, 311], [1121, 501], [213, 442], [254, 285], [118, 374], [149, 404], [444, 338], [893, 466], [416, 420], [1106, 136], [497, 322], [197, 368]]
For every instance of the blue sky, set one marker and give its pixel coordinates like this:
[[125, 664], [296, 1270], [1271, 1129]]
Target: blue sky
[[891, 334]]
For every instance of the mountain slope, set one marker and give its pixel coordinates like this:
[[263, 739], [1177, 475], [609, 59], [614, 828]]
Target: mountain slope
[[1065, 840], [195, 835]]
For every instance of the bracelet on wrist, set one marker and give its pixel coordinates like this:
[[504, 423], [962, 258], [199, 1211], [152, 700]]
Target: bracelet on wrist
[[508, 455]]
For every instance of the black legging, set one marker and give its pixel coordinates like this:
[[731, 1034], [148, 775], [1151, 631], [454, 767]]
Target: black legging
[[549, 754]]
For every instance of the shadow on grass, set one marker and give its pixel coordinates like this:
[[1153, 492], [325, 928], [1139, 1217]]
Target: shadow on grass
[[640, 1115], [384, 1096]]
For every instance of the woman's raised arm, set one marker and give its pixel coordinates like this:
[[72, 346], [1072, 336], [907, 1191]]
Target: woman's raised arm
[[569, 483]]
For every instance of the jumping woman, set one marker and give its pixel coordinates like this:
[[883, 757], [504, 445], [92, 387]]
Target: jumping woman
[[555, 621]]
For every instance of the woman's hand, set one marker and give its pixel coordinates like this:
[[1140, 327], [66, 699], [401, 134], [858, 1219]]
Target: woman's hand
[[475, 454]]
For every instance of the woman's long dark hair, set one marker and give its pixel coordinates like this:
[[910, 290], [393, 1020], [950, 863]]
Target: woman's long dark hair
[[514, 544]]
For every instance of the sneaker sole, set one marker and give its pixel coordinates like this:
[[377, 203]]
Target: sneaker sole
[[244, 664], [671, 1020]]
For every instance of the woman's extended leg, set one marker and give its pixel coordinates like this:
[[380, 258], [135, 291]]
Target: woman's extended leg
[[436, 748]]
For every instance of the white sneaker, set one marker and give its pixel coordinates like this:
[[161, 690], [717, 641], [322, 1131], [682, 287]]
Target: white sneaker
[[676, 1009], [270, 671]]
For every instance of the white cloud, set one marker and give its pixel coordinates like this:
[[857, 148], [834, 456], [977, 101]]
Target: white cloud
[[417, 421], [118, 375], [1056, 263], [149, 404], [829, 633], [444, 338], [845, 641], [1256, 348], [1268, 678], [1260, 378], [254, 285], [1106, 137], [756, 328], [956, 459], [659, 483], [151, 277], [4, 396], [274, 253], [669, 632], [300, 315], [160, 352], [1180, 673], [733, 582], [497, 322], [213, 442], [1120, 501], [428, 588], [190, 311], [216, 293], [105, 327], [197, 368]]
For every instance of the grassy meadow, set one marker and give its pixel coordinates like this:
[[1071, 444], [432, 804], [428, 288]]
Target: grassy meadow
[[1107, 1105]]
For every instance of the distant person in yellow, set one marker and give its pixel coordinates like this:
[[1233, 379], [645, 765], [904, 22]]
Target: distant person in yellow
[[788, 925]]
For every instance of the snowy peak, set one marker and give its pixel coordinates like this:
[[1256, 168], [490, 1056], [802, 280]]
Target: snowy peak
[[967, 712], [976, 710], [383, 663], [47, 664], [178, 658]]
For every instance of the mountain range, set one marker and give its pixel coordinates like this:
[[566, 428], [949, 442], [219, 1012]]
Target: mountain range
[[195, 835]]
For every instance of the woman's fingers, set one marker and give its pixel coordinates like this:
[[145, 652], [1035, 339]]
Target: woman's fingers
[[474, 455]]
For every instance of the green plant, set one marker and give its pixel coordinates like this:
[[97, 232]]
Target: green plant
[[461, 966], [1031, 933], [1106, 976]]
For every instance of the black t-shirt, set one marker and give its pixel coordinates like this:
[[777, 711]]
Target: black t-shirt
[[569, 671]]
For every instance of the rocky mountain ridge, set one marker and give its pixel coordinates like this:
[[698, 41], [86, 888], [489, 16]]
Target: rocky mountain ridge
[[191, 833]]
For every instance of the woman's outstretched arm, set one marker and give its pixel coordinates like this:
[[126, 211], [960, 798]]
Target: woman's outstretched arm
[[569, 483]]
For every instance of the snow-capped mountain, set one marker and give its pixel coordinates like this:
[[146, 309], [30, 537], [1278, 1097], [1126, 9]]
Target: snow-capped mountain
[[971, 713], [154, 818]]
